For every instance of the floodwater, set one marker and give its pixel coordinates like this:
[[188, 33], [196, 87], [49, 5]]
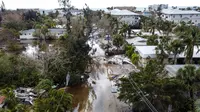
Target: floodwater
[[96, 95], [80, 96]]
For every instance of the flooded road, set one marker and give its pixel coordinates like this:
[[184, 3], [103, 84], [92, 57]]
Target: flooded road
[[96, 95], [105, 100]]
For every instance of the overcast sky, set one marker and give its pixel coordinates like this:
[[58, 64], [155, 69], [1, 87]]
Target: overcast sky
[[49, 4]]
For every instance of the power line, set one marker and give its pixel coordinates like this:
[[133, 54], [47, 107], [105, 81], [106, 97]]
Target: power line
[[141, 97], [145, 97], [147, 102]]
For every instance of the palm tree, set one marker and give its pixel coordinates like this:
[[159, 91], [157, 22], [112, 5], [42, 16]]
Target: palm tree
[[190, 76], [190, 36], [152, 25], [162, 48], [118, 41], [123, 30], [176, 47], [144, 23], [166, 27]]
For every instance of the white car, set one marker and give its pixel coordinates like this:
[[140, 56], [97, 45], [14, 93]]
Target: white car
[[114, 89]]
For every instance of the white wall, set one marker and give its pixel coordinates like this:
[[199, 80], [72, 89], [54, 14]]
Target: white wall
[[129, 19], [194, 18]]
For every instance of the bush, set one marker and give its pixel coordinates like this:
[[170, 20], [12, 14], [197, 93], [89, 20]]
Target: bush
[[13, 46], [134, 58], [129, 50], [18, 71]]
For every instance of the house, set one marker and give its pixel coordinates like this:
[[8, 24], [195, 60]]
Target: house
[[125, 16], [173, 69], [149, 52], [137, 41], [145, 53], [28, 34], [155, 7], [177, 16], [2, 101]]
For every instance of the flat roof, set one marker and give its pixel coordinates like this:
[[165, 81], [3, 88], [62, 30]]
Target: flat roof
[[173, 69], [146, 51], [149, 51], [176, 11], [118, 12], [138, 41]]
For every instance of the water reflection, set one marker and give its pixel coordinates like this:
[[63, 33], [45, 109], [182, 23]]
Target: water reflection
[[33, 47], [31, 51], [80, 96]]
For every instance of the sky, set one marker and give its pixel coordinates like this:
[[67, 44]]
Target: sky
[[50, 4]]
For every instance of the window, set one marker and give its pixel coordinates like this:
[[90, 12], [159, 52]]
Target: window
[[190, 15], [197, 15], [181, 15], [173, 16], [166, 16], [195, 20]]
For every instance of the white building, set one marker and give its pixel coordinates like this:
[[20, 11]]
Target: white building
[[155, 7], [125, 16], [28, 34], [181, 15], [149, 52]]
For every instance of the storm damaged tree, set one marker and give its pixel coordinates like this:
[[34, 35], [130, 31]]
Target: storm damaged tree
[[66, 6], [71, 56]]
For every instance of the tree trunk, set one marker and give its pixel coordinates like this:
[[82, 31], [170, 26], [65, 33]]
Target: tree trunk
[[153, 32], [129, 33], [192, 98], [189, 55]]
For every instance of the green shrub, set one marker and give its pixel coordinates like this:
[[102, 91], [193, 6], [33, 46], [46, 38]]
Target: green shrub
[[134, 58]]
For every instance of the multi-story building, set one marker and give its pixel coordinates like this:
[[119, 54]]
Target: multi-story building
[[125, 16], [177, 16], [155, 7]]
